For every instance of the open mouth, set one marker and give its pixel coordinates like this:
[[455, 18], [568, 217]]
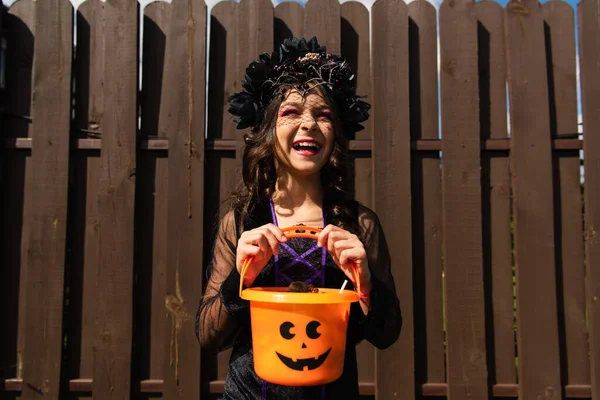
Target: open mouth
[[304, 363], [307, 148]]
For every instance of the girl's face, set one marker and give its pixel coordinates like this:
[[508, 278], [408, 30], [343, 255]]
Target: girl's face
[[305, 133]]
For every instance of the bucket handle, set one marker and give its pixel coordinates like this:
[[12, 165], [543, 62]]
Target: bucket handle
[[309, 232]]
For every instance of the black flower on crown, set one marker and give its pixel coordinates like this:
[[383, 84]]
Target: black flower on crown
[[302, 65]]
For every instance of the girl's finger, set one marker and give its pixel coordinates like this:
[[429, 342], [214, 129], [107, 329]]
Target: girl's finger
[[248, 249], [263, 243], [340, 246], [272, 241], [343, 244], [245, 252], [277, 233], [333, 238], [330, 245], [336, 235], [351, 255], [257, 239], [323, 235]]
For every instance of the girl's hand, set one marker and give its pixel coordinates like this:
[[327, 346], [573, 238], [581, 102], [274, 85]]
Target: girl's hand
[[348, 252], [261, 243]]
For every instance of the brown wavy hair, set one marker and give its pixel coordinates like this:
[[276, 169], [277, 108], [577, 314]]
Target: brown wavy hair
[[259, 172]]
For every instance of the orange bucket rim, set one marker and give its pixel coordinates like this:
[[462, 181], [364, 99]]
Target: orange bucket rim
[[325, 296]]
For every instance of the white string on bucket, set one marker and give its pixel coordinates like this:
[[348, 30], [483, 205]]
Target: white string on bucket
[[343, 286]]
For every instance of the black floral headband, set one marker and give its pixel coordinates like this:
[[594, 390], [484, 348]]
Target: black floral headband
[[300, 65]]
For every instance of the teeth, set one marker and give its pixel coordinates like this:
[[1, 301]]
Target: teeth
[[307, 145]]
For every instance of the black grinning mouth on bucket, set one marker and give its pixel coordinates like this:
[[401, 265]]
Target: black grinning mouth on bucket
[[302, 363]]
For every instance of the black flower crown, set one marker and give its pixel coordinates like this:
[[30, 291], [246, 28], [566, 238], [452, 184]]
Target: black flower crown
[[299, 64]]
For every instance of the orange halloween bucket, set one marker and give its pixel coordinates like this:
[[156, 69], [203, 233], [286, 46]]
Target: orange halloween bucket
[[298, 339]]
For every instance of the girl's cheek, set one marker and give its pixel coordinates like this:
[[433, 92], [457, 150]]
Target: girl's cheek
[[326, 128]]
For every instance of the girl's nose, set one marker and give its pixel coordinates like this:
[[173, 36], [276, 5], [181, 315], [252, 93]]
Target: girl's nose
[[309, 124]]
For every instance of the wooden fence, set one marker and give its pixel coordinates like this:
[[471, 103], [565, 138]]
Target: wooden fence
[[106, 224]]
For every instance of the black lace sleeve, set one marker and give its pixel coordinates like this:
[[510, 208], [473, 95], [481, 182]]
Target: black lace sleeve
[[221, 309], [382, 324]]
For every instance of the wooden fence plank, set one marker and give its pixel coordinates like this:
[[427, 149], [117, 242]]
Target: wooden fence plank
[[355, 48], [466, 346], [182, 119], [559, 27], [589, 58], [255, 35], [16, 186], [116, 190], [423, 35], [288, 22], [80, 324], [224, 80], [151, 204], [8, 272], [531, 167], [322, 19], [426, 193], [391, 166], [42, 342], [20, 30], [497, 239]]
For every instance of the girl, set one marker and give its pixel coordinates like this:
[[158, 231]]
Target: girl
[[301, 105]]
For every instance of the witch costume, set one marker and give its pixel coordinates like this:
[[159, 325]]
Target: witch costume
[[223, 318]]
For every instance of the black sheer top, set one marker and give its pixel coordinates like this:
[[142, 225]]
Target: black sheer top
[[223, 318]]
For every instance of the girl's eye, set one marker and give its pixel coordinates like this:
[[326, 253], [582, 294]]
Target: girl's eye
[[325, 115], [288, 112]]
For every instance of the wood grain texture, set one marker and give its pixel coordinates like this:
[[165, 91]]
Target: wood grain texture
[[392, 183], [531, 169], [559, 29], [116, 191], [322, 19], [254, 21], [46, 247], [355, 49], [152, 204], [589, 58], [461, 178], [426, 192], [85, 241], [182, 121], [19, 22], [225, 79], [496, 193], [288, 21]]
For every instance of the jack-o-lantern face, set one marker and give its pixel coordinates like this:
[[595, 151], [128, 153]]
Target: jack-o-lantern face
[[288, 332], [300, 345]]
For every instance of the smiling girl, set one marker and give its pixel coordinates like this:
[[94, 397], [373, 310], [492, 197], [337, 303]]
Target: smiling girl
[[301, 106]]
